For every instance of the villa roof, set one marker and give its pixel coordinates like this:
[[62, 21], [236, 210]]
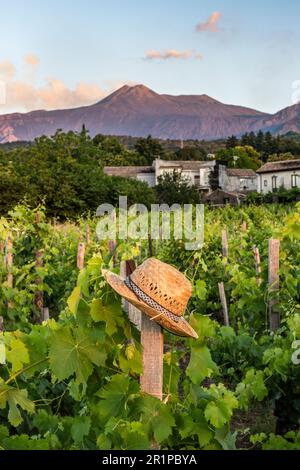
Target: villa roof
[[241, 173], [127, 171], [284, 165]]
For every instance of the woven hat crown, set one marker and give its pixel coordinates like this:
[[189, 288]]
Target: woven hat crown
[[164, 284]]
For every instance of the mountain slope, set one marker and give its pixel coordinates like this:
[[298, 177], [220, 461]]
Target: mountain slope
[[139, 111]]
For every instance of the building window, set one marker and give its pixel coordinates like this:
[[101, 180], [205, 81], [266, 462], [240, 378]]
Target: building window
[[265, 183], [243, 184], [274, 183], [294, 181], [197, 180]]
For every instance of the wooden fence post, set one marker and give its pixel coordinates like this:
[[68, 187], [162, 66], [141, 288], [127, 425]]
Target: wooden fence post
[[223, 303], [37, 218], [257, 264], [112, 249], [150, 243], [225, 250], [274, 317], [45, 314], [80, 255], [1, 324], [244, 226], [152, 340]]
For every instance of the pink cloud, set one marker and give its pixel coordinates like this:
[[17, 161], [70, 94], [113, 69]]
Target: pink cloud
[[31, 59], [171, 54], [167, 54], [24, 95], [210, 24], [7, 70]]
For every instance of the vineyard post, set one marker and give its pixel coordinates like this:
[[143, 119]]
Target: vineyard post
[[257, 264], [223, 303], [45, 314], [112, 244], [225, 250], [152, 340], [273, 271], [80, 255], [37, 218], [9, 264], [244, 226], [1, 324]]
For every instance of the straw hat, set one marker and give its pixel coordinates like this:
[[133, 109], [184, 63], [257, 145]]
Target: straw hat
[[160, 291]]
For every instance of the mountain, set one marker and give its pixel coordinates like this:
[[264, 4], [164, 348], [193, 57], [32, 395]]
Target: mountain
[[139, 111]]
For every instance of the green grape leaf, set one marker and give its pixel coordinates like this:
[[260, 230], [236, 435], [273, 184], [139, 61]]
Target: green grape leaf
[[216, 414], [83, 282], [73, 300], [109, 314], [80, 428], [114, 395], [200, 289], [162, 423], [203, 325], [201, 364], [74, 352], [15, 398], [17, 354]]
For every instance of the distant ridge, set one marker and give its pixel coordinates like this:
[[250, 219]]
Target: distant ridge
[[138, 111]]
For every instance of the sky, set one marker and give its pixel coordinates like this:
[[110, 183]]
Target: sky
[[68, 53]]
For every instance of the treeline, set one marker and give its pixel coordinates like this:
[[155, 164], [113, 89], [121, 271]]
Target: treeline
[[65, 173], [269, 147]]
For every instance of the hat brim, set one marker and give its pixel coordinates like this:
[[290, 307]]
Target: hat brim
[[180, 328]]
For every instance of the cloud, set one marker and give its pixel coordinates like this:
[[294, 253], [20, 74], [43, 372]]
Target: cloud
[[31, 59], [7, 70], [170, 54], [24, 95], [210, 24]]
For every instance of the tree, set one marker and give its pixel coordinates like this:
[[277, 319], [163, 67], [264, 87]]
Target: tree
[[232, 142], [173, 188], [277, 157], [65, 173], [240, 157], [260, 141], [149, 148], [190, 153]]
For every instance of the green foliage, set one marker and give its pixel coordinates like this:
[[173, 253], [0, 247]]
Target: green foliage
[[72, 382], [65, 172], [240, 157], [149, 149], [173, 188]]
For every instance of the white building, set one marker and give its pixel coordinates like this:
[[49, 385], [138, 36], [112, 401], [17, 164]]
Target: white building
[[275, 175], [240, 180], [206, 175], [198, 172], [140, 173]]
